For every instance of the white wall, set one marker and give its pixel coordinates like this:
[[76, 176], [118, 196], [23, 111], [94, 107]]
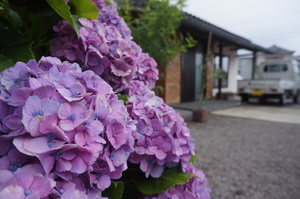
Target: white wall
[[233, 70], [245, 67]]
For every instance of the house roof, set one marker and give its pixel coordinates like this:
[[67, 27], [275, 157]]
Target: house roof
[[202, 28], [297, 58], [281, 51]]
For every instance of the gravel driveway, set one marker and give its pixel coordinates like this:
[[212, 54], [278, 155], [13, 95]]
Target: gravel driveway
[[245, 158]]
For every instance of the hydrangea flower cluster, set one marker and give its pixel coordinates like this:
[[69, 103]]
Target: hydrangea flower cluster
[[110, 16], [196, 188], [63, 132], [105, 46], [162, 138]]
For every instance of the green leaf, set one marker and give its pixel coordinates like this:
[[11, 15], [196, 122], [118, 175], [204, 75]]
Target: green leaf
[[115, 191], [107, 2], [124, 98], [4, 4], [84, 8], [193, 159], [63, 10], [22, 52], [5, 63], [38, 7], [168, 179]]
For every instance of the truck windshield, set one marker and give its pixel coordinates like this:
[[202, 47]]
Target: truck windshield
[[275, 68]]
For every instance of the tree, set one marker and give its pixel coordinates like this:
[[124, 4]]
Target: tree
[[154, 25]]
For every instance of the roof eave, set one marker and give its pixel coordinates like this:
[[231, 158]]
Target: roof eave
[[192, 22]]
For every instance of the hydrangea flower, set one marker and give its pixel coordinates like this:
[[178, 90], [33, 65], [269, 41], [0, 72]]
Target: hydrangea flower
[[13, 160], [106, 47], [70, 123], [147, 71], [26, 182], [64, 133], [163, 139], [100, 48], [108, 14]]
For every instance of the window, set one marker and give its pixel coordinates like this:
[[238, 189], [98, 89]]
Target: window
[[275, 68], [221, 73]]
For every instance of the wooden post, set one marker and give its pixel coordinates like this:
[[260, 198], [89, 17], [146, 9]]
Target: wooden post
[[209, 62], [206, 86]]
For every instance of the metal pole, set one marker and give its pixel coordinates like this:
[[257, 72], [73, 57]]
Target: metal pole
[[253, 64]]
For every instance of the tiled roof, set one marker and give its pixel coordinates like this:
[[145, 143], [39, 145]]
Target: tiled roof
[[191, 22], [281, 51]]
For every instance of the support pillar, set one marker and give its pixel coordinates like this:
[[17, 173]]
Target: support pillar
[[253, 64], [220, 68], [209, 70]]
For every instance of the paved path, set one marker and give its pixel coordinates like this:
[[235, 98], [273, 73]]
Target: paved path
[[248, 159], [210, 105], [268, 113]]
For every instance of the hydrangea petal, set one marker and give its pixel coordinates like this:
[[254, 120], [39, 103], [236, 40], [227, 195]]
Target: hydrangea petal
[[41, 185], [12, 192], [44, 92], [78, 165], [63, 165], [47, 161], [74, 194], [40, 145], [66, 125], [157, 171]]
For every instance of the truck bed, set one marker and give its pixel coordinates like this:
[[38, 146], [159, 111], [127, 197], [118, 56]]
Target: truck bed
[[267, 86]]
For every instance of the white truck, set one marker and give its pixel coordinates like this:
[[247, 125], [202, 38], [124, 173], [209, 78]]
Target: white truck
[[273, 79]]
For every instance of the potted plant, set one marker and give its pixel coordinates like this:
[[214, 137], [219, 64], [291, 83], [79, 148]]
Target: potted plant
[[200, 114]]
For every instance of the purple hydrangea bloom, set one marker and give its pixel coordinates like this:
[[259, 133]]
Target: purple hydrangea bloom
[[65, 134], [106, 47], [70, 158], [72, 115], [68, 122], [34, 111], [13, 160], [26, 183], [101, 48], [14, 77], [109, 15], [163, 139], [147, 71]]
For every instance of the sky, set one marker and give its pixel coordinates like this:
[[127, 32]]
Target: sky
[[263, 22]]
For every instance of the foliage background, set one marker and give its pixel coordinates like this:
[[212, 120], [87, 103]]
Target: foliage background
[[154, 25]]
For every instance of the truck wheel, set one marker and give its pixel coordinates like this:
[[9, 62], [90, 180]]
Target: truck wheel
[[245, 98], [296, 97]]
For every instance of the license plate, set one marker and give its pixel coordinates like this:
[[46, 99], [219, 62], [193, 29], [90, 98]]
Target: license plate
[[257, 92]]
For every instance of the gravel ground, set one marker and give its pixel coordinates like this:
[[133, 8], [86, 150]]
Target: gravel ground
[[248, 159]]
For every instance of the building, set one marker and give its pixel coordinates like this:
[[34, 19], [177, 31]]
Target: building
[[208, 69], [245, 61]]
